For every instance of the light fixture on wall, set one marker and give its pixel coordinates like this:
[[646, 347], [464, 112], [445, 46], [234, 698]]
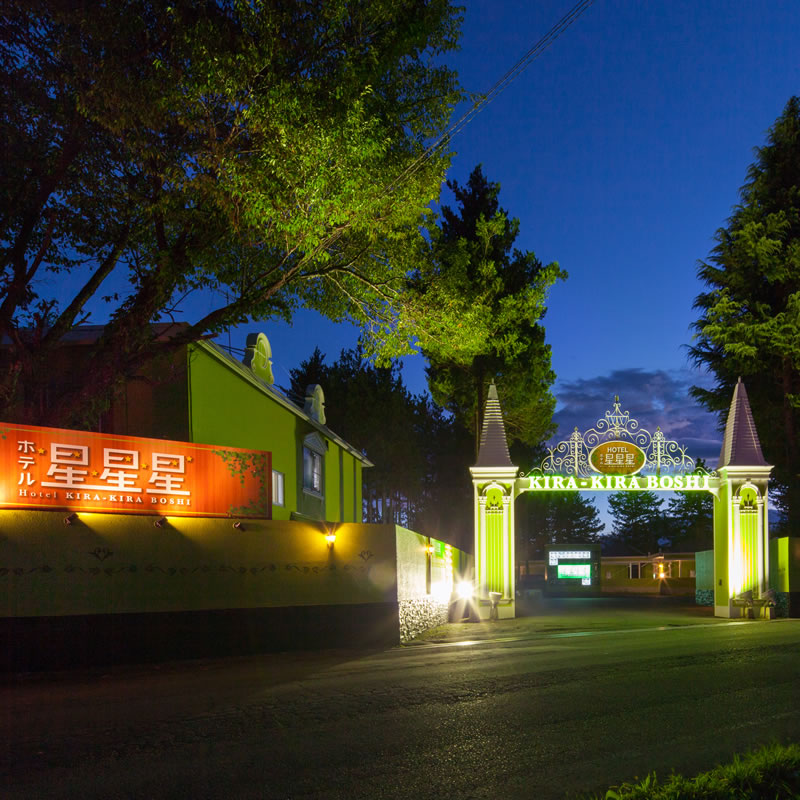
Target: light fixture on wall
[[429, 549], [160, 522], [73, 517], [238, 525], [330, 536]]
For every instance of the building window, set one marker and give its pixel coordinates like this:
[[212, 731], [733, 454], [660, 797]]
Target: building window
[[312, 470], [277, 488]]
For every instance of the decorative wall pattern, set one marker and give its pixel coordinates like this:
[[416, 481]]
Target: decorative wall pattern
[[303, 569]]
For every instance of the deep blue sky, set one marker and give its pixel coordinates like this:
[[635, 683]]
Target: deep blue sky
[[621, 150]]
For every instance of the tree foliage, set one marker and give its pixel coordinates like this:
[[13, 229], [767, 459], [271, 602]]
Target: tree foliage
[[420, 476], [266, 153], [499, 292], [638, 522], [749, 323], [690, 519], [556, 518], [690, 522]]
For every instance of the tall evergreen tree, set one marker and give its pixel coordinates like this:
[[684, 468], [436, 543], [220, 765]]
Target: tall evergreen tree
[[690, 522], [690, 519], [421, 457], [749, 322], [638, 522], [504, 290], [556, 518]]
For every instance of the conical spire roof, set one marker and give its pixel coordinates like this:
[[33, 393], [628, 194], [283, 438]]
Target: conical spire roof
[[493, 451], [740, 447]]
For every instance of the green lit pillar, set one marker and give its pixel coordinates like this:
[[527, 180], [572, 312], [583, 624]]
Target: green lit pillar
[[741, 523], [493, 480]]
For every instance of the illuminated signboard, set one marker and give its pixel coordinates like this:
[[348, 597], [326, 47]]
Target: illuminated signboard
[[620, 483], [572, 570], [618, 455], [617, 458], [49, 468], [554, 556], [575, 571]]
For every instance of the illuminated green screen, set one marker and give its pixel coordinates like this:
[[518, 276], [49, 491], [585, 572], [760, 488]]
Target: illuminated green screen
[[574, 570]]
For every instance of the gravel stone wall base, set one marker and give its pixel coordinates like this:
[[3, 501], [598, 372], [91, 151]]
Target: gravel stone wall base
[[704, 597], [420, 615], [781, 604]]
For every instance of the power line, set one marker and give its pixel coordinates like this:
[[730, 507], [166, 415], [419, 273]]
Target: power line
[[499, 86]]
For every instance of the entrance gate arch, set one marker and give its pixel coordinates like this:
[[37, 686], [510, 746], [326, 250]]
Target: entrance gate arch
[[617, 454]]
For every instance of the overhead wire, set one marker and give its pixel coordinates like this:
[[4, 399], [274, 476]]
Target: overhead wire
[[496, 89]]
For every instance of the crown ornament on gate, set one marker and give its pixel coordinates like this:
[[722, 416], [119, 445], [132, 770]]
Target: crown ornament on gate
[[571, 456]]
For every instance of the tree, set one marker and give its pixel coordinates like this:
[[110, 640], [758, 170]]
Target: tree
[[475, 269], [273, 154], [690, 519], [638, 522], [749, 323], [557, 518], [690, 522], [420, 478]]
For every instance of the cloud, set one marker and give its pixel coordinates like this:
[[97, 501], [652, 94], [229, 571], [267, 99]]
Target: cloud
[[652, 397]]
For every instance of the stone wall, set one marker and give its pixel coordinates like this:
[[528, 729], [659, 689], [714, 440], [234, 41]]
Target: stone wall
[[704, 597], [420, 615], [782, 604]]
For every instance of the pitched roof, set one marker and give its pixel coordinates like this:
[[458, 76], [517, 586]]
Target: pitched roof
[[276, 395], [493, 451], [741, 447]]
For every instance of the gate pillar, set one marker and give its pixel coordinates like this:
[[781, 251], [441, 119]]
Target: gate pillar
[[493, 481], [741, 529]]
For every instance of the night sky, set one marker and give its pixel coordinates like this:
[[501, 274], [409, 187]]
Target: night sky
[[621, 150]]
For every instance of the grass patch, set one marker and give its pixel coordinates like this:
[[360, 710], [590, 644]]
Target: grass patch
[[771, 772]]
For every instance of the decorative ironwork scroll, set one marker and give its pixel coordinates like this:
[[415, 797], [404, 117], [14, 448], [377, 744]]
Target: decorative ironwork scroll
[[571, 456]]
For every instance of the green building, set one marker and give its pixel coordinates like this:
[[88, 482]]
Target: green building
[[203, 394], [108, 553]]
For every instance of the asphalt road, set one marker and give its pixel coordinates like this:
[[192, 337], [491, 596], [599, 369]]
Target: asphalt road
[[542, 717]]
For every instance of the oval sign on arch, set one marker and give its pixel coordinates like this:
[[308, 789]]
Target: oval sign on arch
[[617, 458]]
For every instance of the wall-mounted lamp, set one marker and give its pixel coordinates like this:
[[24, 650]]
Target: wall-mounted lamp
[[238, 525], [330, 533], [71, 518], [160, 522], [429, 549]]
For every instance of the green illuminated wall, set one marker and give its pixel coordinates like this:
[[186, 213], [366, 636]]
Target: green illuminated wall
[[784, 574], [226, 409], [749, 538], [118, 563], [494, 551], [721, 518], [704, 570], [228, 406]]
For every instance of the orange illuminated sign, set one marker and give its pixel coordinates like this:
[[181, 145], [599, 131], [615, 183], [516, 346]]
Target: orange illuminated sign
[[56, 468]]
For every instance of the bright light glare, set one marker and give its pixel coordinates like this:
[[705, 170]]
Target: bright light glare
[[441, 591], [464, 589]]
